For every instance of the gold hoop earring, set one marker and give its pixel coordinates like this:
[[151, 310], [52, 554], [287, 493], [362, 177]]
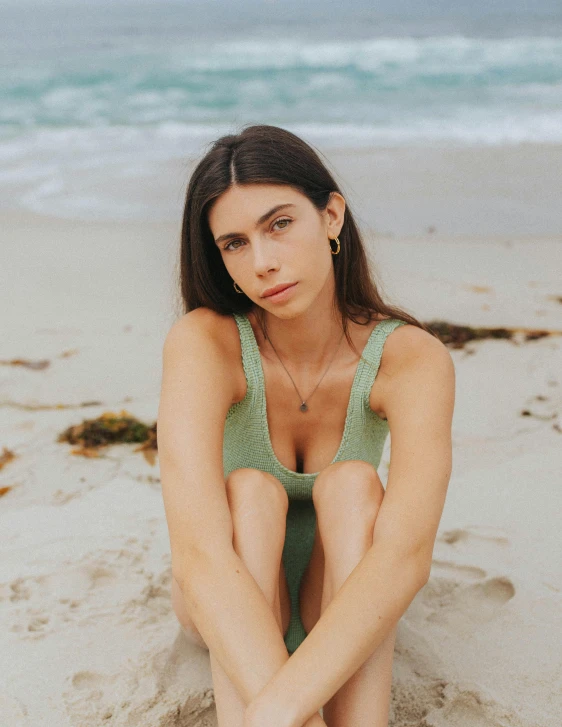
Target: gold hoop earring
[[236, 289], [338, 244]]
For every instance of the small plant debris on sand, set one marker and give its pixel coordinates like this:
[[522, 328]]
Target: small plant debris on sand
[[456, 336], [6, 456], [110, 428], [38, 365]]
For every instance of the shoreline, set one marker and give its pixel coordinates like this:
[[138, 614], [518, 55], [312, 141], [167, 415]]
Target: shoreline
[[475, 190]]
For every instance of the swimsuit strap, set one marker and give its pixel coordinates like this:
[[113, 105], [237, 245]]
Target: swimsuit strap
[[371, 359], [250, 354]]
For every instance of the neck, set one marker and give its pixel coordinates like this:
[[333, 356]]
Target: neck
[[306, 343]]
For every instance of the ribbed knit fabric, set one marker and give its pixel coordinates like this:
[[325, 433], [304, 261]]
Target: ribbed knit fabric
[[247, 444]]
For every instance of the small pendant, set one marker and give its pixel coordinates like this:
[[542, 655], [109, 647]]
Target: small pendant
[[303, 407]]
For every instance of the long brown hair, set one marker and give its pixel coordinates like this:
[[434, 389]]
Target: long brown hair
[[265, 154]]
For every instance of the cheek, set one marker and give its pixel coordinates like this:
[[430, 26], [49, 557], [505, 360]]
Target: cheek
[[228, 264], [319, 261]]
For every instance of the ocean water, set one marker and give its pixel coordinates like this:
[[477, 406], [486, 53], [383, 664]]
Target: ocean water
[[99, 86]]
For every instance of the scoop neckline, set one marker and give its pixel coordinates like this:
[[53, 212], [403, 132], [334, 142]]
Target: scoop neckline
[[263, 403]]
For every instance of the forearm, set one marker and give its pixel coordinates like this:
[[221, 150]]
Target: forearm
[[236, 621], [360, 616]]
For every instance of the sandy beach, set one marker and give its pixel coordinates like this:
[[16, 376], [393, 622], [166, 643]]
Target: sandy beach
[[470, 236]]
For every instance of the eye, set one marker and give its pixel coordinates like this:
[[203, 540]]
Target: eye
[[228, 244], [284, 219]]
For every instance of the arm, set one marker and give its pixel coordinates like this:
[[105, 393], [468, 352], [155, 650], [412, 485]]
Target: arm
[[238, 625], [221, 596], [418, 403]]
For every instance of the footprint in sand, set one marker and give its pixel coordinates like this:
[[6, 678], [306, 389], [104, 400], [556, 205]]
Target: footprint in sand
[[455, 570], [154, 690], [15, 591], [20, 617], [81, 592], [484, 534], [413, 697], [87, 701], [449, 603], [469, 707], [53, 592], [154, 601], [459, 595], [13, 711], [421, 697]]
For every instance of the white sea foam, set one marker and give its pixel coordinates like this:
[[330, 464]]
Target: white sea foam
[[136, 100]]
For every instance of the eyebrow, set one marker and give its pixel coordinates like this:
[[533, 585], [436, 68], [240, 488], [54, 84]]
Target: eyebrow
[[259, 222]]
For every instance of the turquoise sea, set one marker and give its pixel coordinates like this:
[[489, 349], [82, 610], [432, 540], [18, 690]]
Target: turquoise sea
[[83, 85]]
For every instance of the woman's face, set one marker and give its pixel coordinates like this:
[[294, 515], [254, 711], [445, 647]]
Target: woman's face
[[290, 245]]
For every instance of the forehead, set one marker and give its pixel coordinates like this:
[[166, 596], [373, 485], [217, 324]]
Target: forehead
[[250, 201]]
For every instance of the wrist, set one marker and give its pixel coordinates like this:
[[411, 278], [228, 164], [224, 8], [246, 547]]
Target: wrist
[[267, 708]]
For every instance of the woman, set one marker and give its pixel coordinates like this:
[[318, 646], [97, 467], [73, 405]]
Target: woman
[[271, 426]]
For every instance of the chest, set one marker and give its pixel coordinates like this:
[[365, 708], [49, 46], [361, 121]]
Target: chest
[[307, 442]]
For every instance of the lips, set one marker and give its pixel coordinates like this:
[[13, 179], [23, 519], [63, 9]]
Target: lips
[[277, 289]]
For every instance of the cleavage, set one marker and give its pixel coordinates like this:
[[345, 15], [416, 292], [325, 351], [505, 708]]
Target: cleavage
[[306, 442]]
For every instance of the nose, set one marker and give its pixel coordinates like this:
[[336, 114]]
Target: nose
[[265, 257]]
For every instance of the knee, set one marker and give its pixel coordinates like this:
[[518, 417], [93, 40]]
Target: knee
[[247, 486], [350, 481]]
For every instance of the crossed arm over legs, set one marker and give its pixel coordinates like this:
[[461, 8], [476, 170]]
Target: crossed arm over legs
[[347, 496]]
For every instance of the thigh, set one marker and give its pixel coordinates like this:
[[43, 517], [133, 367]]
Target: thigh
[[362, 484], [283, 597]]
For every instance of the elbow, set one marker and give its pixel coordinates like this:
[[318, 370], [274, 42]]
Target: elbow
[[421, 563], [424, 573], [419, 556], [417, 549], [199, 561], [413, 560], [184, 567], [416, 569]]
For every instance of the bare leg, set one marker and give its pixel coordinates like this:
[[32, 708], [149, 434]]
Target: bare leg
[[346, 518], [258, 509], [227, 699]]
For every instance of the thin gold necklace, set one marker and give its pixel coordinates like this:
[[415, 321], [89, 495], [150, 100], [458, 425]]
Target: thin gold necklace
[[304, 407]]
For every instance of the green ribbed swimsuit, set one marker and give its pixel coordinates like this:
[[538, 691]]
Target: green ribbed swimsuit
[[247, 444]]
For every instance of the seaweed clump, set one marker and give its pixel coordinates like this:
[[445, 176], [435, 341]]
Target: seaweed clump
[[456, 336], [92, 435]]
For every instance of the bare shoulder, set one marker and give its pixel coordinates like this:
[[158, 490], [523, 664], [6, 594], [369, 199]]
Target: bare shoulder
[[218, 334], [205, 322], [201, 319], [407, 344], [410, 353]]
